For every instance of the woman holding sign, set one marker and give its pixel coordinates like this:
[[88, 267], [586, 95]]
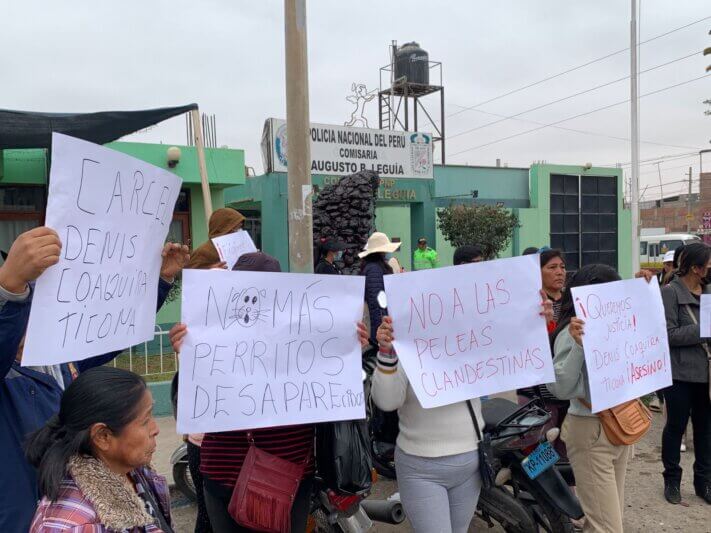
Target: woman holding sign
[[436, 456], [222, 222], [689, 394], [223, 454], [599, 466]]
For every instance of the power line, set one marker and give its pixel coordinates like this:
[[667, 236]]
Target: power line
[[578, 67], [591, 89], [578, 116], [664, 170], [584, 132], [666, 157]]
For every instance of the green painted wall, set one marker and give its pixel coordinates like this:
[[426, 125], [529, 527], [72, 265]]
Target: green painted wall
[[225, 166], [23, 167], [394, 221]]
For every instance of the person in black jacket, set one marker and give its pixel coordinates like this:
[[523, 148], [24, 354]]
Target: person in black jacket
[[374, 267], [689, 394], [328, 253]]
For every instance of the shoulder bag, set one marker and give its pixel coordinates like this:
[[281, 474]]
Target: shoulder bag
[[484, 450], [626, 423], [265, 490]]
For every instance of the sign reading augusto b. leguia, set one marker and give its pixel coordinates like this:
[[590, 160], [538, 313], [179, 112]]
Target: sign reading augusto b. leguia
[[339, 150]]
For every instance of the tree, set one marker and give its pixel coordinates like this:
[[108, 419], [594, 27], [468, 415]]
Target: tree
[[488, 226]]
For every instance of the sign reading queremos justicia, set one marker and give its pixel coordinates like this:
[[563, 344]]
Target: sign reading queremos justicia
[[341, 151]]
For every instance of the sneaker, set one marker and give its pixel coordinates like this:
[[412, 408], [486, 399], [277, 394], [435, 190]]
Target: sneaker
[[683, 447], [672, 493], [704, 493]]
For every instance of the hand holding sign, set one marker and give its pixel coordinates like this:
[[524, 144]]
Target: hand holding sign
[[30, 255], [466, 331], [175, 257], [625, 340]]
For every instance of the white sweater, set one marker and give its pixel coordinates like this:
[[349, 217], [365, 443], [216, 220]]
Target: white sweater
[[435, 432]]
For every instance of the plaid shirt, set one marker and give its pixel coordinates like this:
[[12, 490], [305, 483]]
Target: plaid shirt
[[72, 512]]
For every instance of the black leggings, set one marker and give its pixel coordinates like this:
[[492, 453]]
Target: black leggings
[[202, 522], [222, 522], [684, 399]]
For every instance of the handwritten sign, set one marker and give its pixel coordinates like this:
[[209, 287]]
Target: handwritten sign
[[705, 312], [625, 341], [112, 213], [231, 246], [467, 331], [269, 349]]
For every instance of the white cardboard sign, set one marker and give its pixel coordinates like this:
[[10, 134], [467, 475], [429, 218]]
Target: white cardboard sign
[[231, 246], [625, 340], [705, 312], [112, 213], [466, 331], [268, 349]]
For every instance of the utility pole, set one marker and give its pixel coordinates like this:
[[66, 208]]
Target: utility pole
[[688, 206], [634, 134], [298, 137]]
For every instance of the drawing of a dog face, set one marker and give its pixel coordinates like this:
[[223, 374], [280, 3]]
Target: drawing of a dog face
[[247, 307]]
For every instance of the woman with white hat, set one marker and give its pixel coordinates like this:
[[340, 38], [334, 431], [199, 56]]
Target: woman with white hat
[[374, 267]]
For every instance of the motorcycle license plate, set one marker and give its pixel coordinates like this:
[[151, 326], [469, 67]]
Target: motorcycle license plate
[[540, 460]]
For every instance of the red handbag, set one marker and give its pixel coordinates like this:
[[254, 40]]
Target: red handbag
[[264, 493]]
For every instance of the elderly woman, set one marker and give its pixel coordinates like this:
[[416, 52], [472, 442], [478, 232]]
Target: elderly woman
[[92, 459]]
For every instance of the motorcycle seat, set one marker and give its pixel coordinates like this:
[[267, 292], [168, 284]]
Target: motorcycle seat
[[495, 410]]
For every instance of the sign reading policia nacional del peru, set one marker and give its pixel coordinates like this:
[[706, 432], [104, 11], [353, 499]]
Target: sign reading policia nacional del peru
[[338, 150]]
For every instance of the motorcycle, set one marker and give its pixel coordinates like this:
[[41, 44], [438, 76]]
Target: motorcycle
[[529, 493]]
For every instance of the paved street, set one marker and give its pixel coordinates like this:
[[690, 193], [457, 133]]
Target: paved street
[[646, 509]]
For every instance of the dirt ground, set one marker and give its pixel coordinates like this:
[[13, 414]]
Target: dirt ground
[[646, 510]]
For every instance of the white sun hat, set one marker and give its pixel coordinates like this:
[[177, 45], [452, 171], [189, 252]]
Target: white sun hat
[[668, 257], [378, 242]]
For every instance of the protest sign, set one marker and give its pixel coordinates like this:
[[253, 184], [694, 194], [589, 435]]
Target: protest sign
[[705, 314], [112, 213], [625, 340], [267, 349], [231, 246], [467, 331]]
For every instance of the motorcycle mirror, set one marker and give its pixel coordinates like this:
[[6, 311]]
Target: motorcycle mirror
[[382, 300]]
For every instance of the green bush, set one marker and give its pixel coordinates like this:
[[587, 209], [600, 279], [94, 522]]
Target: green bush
[[488, 226]]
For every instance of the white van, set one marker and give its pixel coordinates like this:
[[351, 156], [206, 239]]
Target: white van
[[653, 247]]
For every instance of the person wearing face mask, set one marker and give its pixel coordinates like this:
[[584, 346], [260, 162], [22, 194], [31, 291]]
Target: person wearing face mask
[[689, 394], [329, 252]]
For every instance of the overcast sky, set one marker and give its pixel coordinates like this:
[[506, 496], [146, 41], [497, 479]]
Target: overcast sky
[[228, 56]]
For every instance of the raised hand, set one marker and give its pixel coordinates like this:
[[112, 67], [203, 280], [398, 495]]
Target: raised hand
[[31, 254], [176, 335], [175, 257]]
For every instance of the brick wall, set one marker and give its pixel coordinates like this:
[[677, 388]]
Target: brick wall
[[673, 216]]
